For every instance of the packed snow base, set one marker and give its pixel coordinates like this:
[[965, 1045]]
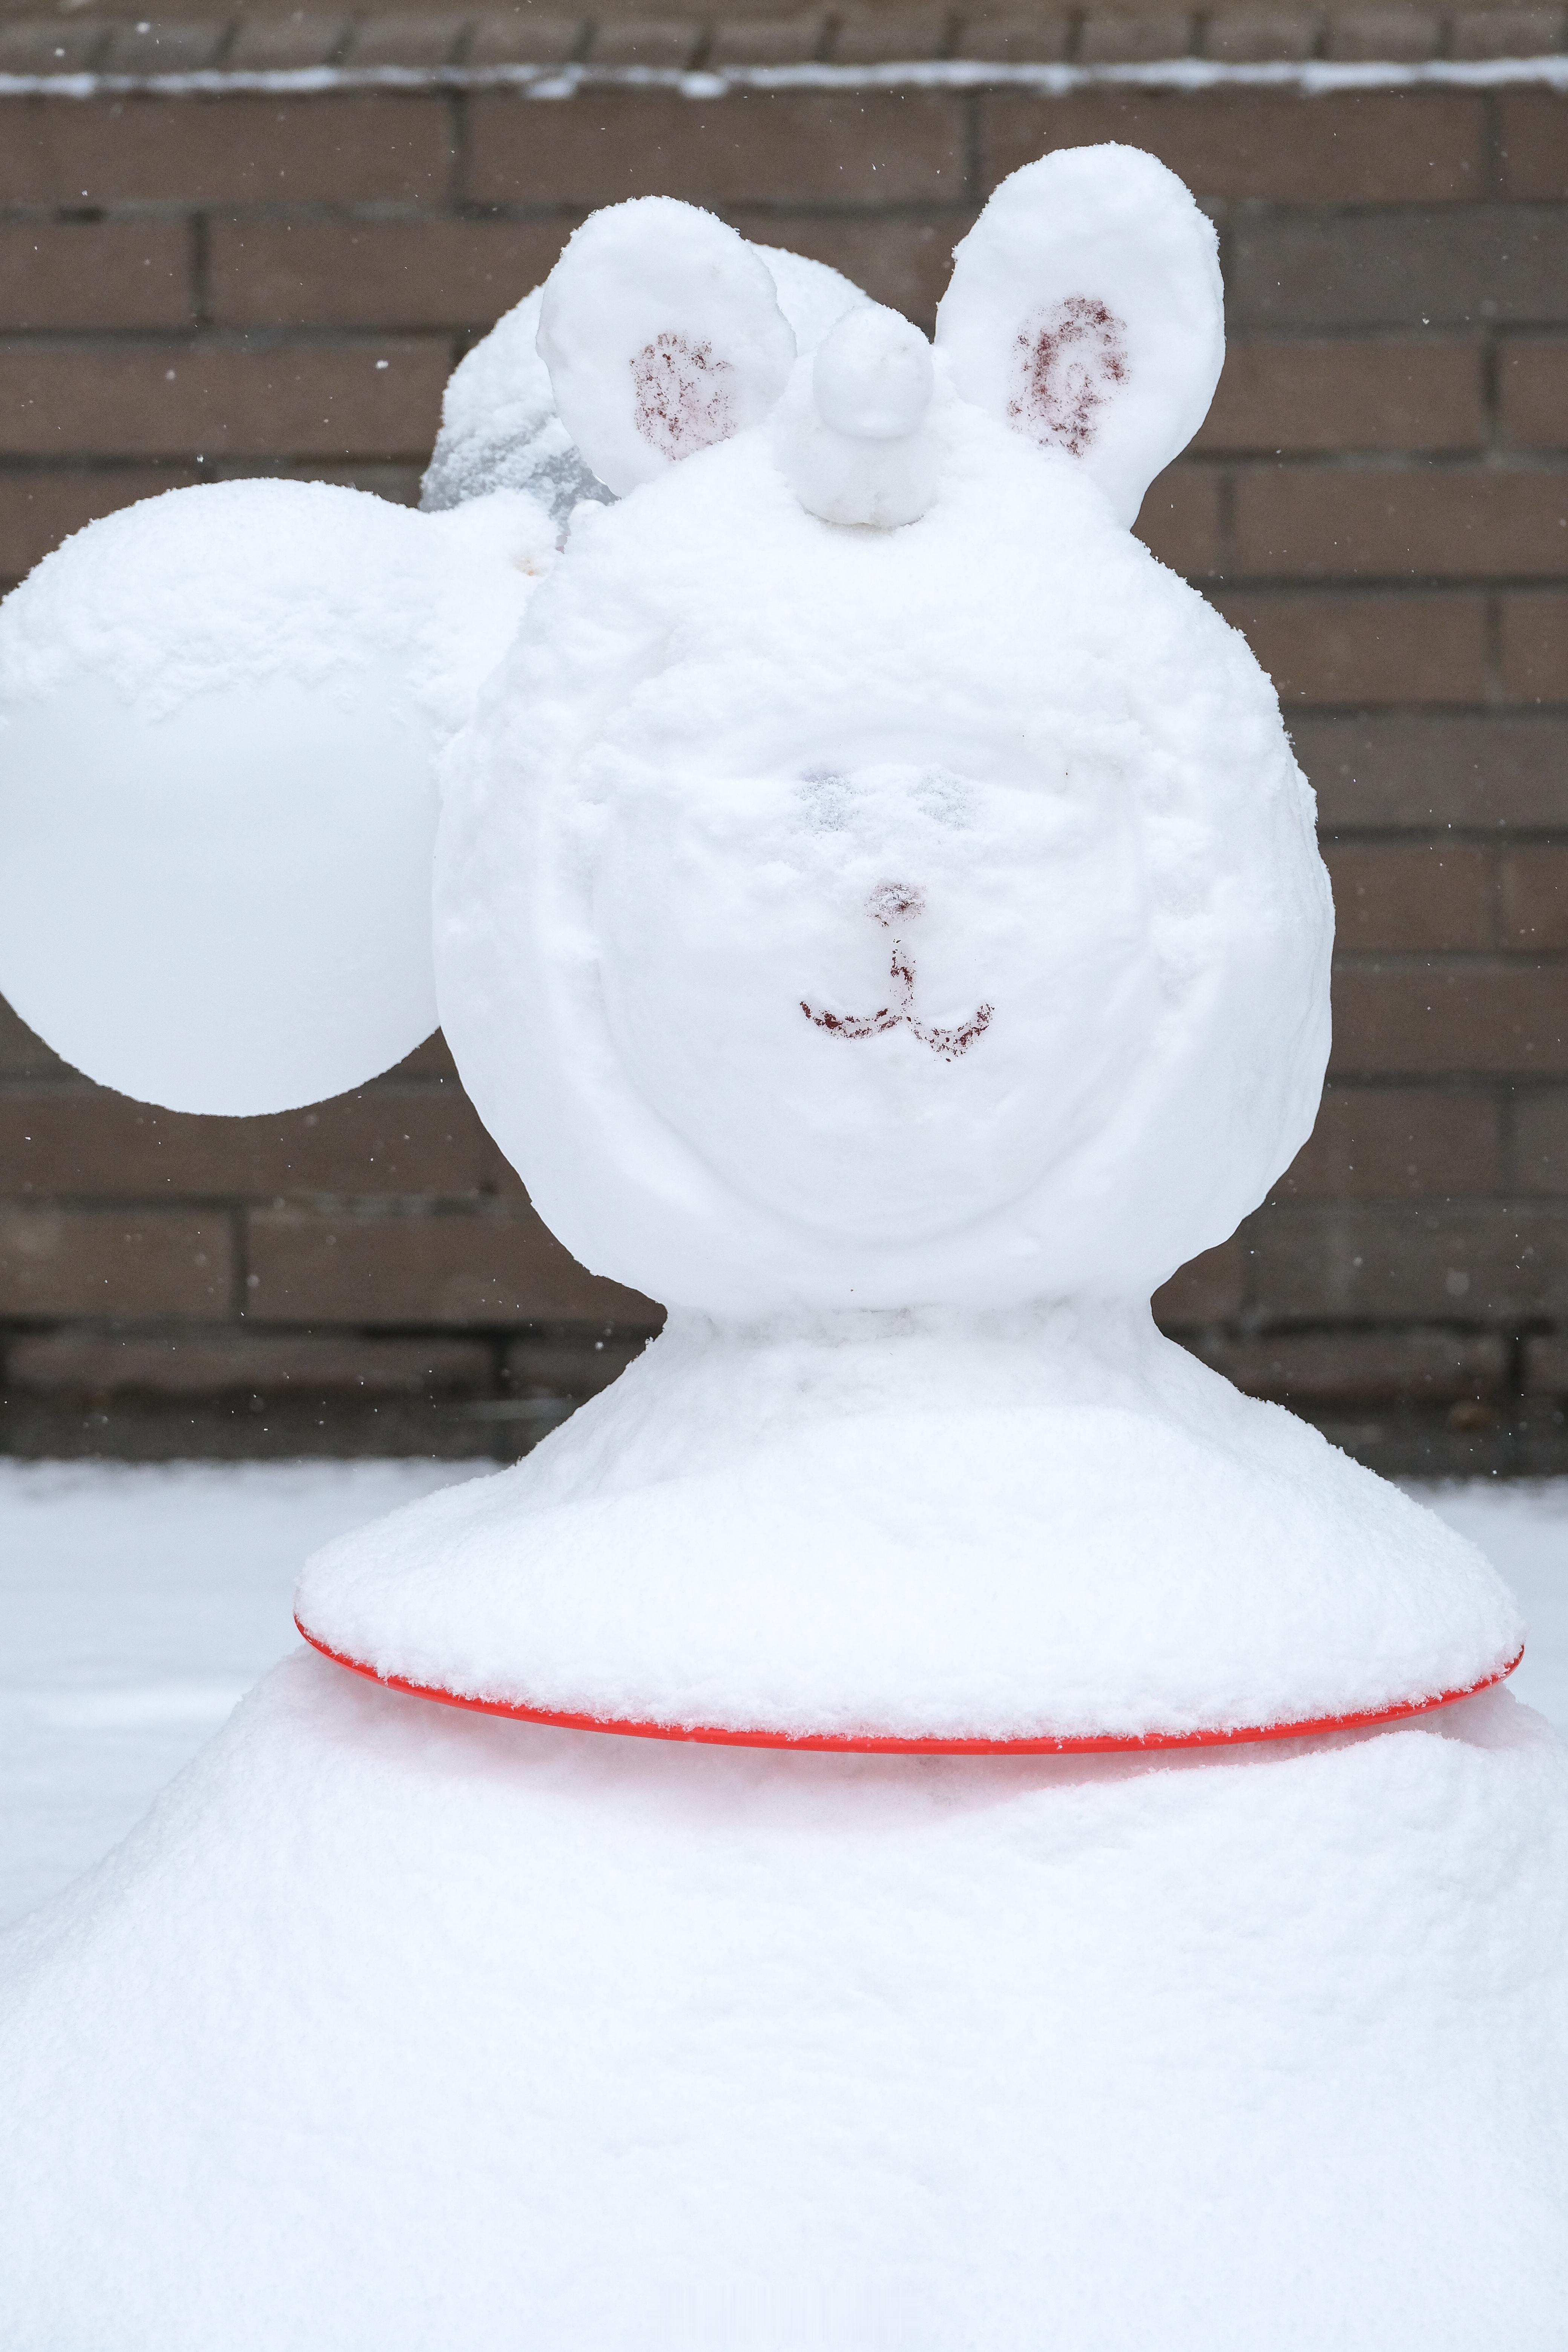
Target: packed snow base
[[1042, 1524], [401, 2028]]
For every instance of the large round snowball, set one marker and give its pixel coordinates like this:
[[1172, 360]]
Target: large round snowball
[[220, 718]]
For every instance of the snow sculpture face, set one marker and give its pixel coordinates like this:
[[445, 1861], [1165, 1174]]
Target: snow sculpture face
[[872, 879]]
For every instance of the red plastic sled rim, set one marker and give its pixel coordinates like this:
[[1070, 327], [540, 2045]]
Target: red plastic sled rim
[[872, 1743]]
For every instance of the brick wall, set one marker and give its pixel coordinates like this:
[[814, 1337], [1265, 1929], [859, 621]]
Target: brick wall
[[235, 278]]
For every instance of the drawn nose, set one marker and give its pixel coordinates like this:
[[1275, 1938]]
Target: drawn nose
[[896, 902]]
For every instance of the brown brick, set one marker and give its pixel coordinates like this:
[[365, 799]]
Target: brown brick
[[405, 39], [1532, 394], [352, 273], [1475, 1261], [1022, 40], [1384, 771], [227, 1361], [1430, 523], [1533, 136], [22, 1055], [40, 508], [1373, 1143], [1507, 32], [658, 45], [1208, 1289], [1399, 36], [1179, 520], [903, 263], [164, 45], [1535, 647], [1397, 897], [1423, 266], [287, 44], [231, 150], [95, 274], [1535, 899], [891, 33], [1546, 1365], [1135, 37], [794, 146], [1269, 35], [1277, 398], [406, 1141], [433, 1059], [521, 36], [50, 48], [1371, 149], [423, 1269], [767, 40], [135, 1262], [1400, 1367], [576, 1367], [1367, 649], [380, 399], [1540, 1141], [1492, 1019]]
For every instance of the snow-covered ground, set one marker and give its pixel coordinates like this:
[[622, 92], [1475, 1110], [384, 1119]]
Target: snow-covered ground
[[139, 1602]]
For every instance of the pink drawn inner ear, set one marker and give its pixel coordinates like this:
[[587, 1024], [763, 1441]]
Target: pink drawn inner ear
[[1066, 362], [684, 400]]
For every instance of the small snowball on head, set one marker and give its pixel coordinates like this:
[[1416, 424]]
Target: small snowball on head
[[872, 378], [853, 434]]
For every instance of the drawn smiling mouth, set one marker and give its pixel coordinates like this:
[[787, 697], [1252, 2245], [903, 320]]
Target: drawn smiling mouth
[[892, 904]]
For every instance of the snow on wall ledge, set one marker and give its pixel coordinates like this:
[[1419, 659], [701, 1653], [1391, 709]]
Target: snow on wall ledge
[[1308, 77]]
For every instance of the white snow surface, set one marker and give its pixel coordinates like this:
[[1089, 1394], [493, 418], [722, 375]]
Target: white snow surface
[[396, 2028], [141, 1602], [500, 426], [667, 849], [220, 716], [1033, 1527], [1086, 308], [663, 334]]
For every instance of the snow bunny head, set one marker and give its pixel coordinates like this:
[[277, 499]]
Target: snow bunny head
[[872, 880]]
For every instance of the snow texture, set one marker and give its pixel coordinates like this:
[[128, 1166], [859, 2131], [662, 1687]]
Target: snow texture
[[851, 436], [139, 1605], [396, 2028], [668, 963], [1031, 1526], [220, 716], [1087, 308], [663, 335], [141, 1602], [499, 429]]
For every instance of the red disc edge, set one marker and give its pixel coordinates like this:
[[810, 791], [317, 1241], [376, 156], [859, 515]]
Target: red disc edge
[[885, 1743]]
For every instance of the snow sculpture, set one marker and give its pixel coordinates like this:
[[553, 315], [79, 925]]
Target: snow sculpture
[[221, 716], [877, 908]]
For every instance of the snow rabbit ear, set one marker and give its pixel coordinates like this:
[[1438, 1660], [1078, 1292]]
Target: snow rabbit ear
[[1086, 308], [662, 333]]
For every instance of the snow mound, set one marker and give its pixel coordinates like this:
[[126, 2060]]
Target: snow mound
[[1004, 1528], [399, 2028]]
